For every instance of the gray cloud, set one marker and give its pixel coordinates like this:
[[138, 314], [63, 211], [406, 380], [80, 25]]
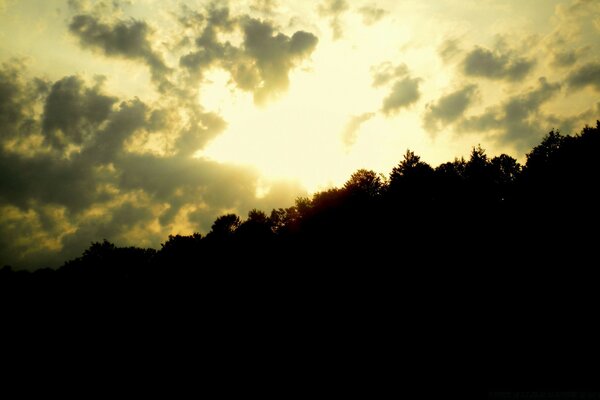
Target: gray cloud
[[448, 108], [261, 64], [512, 120], [72, 112], [202, 127], [208, 50], [586, 75], [449, 49], [57, 200], [273, 55], [403, 93], [564, 58], [333, 9], [130, 117], [481, 62], [403, 89], [371, 14], [266, 7], [17, 101], [351, 129], [128, 39], [386, 72]]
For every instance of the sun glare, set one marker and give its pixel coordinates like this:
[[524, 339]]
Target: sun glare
[[298, 135]]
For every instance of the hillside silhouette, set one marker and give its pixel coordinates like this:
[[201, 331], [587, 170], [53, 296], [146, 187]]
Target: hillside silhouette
[[461, 211], [480, 257]]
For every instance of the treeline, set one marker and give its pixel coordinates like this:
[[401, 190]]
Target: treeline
[[481, 261], [468, 212]]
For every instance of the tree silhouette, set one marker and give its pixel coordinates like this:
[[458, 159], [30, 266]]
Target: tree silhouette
[[462, 212], [365, 183], [461, 256], [224, 227]]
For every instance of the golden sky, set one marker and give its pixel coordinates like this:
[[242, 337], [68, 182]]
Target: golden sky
[[132, 120]]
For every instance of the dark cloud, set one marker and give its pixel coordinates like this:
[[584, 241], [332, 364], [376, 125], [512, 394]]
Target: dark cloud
[[333, 9], [59, 177], [209, 51], [17, 101], [403, 93], [371, 14], [62, 199], [128, 39], [448, 108], [130, 117], [481, 62], [586, 75], [564, 58], [72, 112], [261, 64], [202, 127], [512, 121], [273, 56], [31, 237], [350, 132]]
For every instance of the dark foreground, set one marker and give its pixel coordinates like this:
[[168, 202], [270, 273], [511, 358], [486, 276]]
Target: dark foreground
[[476, 277]]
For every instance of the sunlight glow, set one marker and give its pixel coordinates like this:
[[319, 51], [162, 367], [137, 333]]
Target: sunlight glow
[[298, 136]]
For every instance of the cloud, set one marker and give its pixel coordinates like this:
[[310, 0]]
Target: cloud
[[266, 7], [484, 63], [586, 75], [403, 93], [350, 132], [371, 14], [384, 73], [17, 101], [577, 8], [263, 61], [72, 112], [449, 49], [270, 56], [202, 127], [209, 51], [82, 180], [127, 39], [564, 58], [512, 122], [333, 9], [403, 89], [448, 108]]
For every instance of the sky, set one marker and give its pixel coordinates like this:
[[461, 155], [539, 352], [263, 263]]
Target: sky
[[132, 120]]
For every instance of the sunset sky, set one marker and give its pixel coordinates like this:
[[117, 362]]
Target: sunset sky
[[133, 120]]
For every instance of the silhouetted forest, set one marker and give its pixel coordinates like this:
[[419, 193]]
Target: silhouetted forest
[[475, 248], [478, 211]]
